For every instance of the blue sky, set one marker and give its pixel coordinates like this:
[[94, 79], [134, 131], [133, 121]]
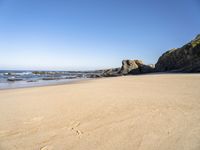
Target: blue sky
[[92, 34]]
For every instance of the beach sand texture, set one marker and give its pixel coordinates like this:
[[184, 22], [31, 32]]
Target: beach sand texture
[[144, 112]]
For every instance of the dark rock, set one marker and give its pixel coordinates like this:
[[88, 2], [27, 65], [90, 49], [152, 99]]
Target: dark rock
[[130, 67], [51, 78], [147, 68], [184, 59], [14, 79], [71, 77], [93, 76], [111, 72], [135, 67]]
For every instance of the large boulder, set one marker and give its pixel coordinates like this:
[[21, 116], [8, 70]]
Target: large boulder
[[130, 66], [135, 67], [184, 59]]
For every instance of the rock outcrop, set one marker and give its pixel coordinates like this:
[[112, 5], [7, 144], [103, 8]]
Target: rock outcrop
[[129, 67], [184, 59], [135, 67], [111, 72], [147, 68]]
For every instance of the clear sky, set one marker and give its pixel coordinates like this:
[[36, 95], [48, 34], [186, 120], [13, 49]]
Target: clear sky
[[92, 34]]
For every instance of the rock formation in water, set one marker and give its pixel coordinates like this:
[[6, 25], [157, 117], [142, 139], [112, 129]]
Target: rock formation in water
[[184, 59]]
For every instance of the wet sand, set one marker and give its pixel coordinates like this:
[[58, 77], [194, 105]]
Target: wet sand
[[145, 112]]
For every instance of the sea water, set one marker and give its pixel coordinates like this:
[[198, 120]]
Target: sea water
[[22, 78]]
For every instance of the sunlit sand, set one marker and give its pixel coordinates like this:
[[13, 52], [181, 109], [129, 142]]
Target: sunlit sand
[[145, 112]]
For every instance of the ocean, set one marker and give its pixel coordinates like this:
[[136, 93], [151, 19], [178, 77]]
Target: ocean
[[22, 78]]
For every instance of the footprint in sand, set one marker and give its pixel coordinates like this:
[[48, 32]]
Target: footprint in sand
[[78, 132], [74, 128]]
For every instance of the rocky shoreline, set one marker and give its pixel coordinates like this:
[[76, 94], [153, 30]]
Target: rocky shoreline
[[181, 60]]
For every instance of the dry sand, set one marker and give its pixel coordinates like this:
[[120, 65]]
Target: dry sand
[[148, 112]]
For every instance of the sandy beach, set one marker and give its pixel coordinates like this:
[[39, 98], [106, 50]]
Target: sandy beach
[[144, 112]]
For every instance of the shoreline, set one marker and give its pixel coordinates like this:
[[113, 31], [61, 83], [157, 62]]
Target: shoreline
[[90, 79], [48, 84]]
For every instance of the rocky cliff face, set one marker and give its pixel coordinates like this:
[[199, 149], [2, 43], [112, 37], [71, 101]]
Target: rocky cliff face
[[184, 59]]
